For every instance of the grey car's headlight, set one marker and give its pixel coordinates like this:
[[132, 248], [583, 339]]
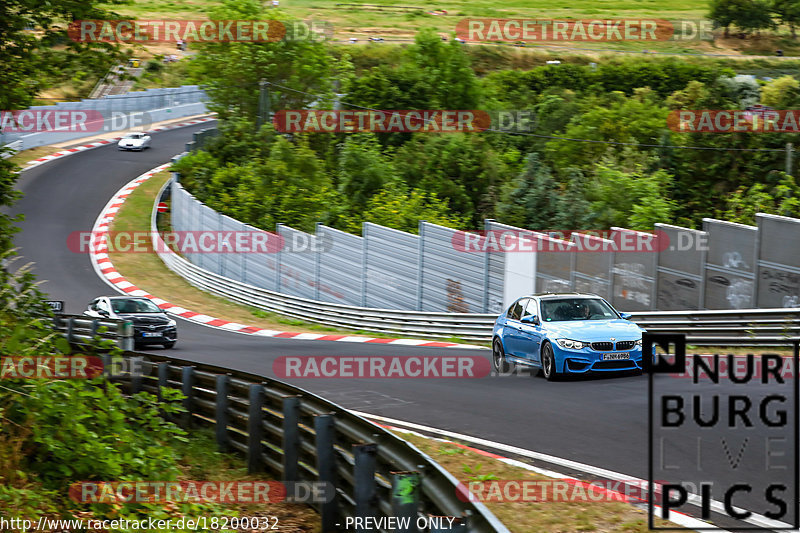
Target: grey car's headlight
[[571, 344], [171, 323]]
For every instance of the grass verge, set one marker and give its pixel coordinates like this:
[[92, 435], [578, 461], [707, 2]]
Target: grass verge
[[531, 516]]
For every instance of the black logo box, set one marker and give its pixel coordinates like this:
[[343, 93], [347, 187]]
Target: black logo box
[[677, 365]]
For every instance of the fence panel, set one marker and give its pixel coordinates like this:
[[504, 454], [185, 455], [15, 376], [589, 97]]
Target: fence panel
[[341, 266], [594, 261], [298, 263], [634, 272], [452, 280], [730, 265], [391, 260], [681, 262], [261, 268], [555, 264], [778, 282]]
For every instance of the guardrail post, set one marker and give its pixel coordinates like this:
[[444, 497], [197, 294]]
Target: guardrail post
[[255, 428], [135, 373], [222, 404], [163, 370], [405, 499], [326, 467], [364, 480], [70, 325], [291, 438], [93, 329], [125, 332], [187, 388]]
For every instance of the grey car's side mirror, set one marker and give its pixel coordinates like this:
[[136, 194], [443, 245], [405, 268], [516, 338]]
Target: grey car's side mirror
[[626, 316], [103, 312], [530, 319]]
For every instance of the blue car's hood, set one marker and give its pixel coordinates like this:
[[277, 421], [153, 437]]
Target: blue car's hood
[[594, 330]]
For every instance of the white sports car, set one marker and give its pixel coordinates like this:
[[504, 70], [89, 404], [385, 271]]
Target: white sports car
[[135, 140]]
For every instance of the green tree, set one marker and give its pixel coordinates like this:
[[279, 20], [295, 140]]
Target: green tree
[[781, 199], [747, 15], [613, 117], [781, 93], [788, 12], [402, 209], [531, 200], [363, 170], [574, 209], [628, 195], [299, 70]]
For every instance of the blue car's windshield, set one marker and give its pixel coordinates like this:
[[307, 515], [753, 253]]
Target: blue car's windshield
[[576, 309]]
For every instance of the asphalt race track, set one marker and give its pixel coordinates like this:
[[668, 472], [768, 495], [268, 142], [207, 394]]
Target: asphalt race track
[[600, 422]]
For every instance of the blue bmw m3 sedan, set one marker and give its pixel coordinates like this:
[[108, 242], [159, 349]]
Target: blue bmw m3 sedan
[[567, 333]]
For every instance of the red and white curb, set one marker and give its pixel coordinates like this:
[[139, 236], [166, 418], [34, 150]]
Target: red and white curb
[[676, 517], [105, 269], [104, 142]]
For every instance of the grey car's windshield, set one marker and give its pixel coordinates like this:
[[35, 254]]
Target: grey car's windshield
[[562, 309], [134, 305], [134, 136]]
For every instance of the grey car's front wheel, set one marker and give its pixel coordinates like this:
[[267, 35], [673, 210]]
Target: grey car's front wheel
[[548, 362]]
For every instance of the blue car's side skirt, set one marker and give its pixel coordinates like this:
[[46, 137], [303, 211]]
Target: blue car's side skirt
[[520, 361]]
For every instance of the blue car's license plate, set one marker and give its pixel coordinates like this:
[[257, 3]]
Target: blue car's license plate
[[616, 355]]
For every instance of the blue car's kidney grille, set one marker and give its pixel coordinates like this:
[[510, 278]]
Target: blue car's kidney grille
[[625, 345], [603, 346]]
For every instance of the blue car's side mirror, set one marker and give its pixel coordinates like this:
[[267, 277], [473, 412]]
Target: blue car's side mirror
[[530, 319], [626, 316]]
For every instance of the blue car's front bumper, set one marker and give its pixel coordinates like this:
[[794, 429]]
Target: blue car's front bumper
[[588, 360]]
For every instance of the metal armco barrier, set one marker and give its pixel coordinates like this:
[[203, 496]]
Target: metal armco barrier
[[82, 330], [299, 437]]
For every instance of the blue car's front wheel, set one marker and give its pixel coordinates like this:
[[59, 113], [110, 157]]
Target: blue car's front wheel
[[499, 363], [548, 362]]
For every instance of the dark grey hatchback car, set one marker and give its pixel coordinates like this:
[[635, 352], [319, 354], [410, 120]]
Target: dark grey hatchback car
[[151, 325]]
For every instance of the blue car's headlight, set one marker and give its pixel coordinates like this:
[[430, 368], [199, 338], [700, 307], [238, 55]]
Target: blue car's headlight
[[569, 343], [639, 343]]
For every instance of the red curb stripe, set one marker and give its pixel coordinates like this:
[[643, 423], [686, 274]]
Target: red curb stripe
[[438, 344], [250, 329], [131, 288], [117, 280], [189, 314], [380, 341], [217, 322], [331, 337], [287, 334]]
